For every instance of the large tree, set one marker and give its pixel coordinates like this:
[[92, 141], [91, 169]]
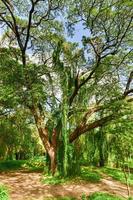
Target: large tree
[[66, 87]]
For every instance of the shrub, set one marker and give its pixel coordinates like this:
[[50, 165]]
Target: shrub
[[3, 193]]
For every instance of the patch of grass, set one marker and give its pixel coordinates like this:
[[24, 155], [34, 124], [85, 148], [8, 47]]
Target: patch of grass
[[89, 174], [11, 165], [117, 174], [56, 180], [35, 164], [103, 196], [4, 193]]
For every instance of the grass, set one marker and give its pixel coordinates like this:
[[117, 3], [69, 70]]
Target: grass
[[11, 165], [56, 180], [87, 174], [90, 175], [103, 196], [117, 174], [94, 196], [35, 164], [3, 193]]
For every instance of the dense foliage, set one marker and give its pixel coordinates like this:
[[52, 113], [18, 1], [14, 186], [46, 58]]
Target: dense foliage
[[78, 95]]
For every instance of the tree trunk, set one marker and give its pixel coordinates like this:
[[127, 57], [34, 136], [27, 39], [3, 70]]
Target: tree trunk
[[53, 163], [101, 158], [50, 147]]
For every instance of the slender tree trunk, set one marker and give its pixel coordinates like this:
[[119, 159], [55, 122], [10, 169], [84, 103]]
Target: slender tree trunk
[[102, 148], [101, 158], [53, 152], [53, 163]]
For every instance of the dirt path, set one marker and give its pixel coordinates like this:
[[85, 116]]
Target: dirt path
[[27, 186]]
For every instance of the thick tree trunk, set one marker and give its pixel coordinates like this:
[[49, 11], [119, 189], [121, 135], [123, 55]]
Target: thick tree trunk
[[50, 147], [50, 144]]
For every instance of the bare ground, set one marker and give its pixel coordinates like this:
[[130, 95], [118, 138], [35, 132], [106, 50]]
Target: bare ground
[[28, 186]]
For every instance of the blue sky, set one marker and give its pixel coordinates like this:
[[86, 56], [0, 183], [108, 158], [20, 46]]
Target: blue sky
[[79, 33]]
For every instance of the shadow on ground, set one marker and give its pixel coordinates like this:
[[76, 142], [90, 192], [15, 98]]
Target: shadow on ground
[[28, 186]]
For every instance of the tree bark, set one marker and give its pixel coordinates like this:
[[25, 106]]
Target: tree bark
[[84, 128], [53, 163], [50, 147]]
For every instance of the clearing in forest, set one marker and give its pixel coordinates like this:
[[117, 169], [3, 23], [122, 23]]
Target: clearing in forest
[[28, 186]]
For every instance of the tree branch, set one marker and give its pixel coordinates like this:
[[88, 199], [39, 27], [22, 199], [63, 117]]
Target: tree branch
[[29, 26], [79, 85], [81, 129], [127, 89]]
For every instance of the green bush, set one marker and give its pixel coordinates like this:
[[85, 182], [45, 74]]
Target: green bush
[[90, 175], [3, 193], [11, 165], [103, 196], [35, 164]]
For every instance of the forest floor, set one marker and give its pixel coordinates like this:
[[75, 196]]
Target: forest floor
[[28, 186]]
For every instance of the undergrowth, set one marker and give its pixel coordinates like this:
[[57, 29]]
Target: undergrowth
[[118, 174], [87, 175], [102, 196], [35, 164], [4, 193]]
